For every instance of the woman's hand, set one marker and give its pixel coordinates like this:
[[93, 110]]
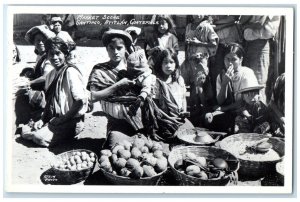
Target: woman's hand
[[135, 106], [125, 82], [230, 72], [38, 125]]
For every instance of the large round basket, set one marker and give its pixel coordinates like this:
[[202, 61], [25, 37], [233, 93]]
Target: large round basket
[[252, 169], [121, 180], [73, 176], [209, 153], [280, 172], [187, 136]]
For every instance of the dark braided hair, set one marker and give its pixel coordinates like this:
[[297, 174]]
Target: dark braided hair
[[57, 43], [234, 48]]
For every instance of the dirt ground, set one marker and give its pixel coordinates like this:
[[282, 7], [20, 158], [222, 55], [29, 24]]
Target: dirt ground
[[30, 163]]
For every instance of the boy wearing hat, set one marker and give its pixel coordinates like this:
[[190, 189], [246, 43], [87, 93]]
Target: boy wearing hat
[[253, 114]]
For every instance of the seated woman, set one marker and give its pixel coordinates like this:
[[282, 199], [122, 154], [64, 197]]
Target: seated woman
[[107, 80], [66, 100], [37, 36], [228, 84]]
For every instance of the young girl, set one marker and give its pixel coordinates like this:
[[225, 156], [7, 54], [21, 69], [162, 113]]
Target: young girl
[[164, 37], [169, 95]]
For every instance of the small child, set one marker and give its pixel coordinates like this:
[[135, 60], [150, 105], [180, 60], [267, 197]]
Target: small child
[[164, 37], [253, 114], [139, 71]]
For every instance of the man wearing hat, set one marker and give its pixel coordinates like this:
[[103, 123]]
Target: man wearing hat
[[253, 113]]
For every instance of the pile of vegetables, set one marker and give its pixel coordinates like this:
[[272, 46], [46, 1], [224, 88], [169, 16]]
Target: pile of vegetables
[[202, 168], [78, 160], [139, 159]]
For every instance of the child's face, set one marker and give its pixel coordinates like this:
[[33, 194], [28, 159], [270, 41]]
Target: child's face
[[231, 59], [163, 26], [57, 58], [168, 66], [116, 50], [39, 40], [56, 27], [251, 96]]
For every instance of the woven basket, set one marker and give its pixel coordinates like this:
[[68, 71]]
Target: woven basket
[[250, 169], [121, 180], [207, 152], [280, 172], [187, 136], [73, 176]]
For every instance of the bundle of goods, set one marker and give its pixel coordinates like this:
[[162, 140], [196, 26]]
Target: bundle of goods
[[257, 153], [139, 163], [74, 166], [208, 166]]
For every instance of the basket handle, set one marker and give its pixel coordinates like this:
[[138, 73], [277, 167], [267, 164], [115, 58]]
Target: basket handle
[[233, 177]]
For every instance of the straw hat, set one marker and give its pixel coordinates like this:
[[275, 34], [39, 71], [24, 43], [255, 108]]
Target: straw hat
[[43, 29], [56, 19], [111, 33], [133, 29], [249, 85]]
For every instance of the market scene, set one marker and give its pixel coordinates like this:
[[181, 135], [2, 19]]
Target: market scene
[[158, 100]]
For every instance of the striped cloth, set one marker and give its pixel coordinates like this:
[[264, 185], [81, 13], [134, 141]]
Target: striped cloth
[[104, 75]]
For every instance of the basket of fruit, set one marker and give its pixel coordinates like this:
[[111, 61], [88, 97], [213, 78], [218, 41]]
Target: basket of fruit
[[205, 166], [74, 166], [257, 153], [199, 136], [141, 162]]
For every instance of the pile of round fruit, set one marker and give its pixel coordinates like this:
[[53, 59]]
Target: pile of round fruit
[[202, 167], [142, 158], [76, 160]]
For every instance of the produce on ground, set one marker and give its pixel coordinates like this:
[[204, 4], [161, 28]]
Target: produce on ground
[[202, 167], [78, 160]]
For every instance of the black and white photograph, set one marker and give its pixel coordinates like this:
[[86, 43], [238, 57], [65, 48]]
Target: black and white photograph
[[149, 99]]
